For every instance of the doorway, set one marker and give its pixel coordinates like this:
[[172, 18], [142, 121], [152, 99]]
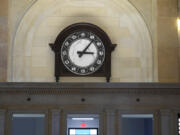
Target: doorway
[[82, 124]]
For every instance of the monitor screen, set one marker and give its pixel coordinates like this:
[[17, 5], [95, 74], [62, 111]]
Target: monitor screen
[[83, 131]]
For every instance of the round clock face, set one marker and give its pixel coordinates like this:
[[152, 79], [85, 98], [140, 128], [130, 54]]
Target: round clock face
[[83, 53]]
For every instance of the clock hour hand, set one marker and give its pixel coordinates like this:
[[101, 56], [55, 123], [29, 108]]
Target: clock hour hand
[[80, 54]]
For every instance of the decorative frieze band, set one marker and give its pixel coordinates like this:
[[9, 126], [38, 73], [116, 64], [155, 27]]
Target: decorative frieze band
[[89, 88]]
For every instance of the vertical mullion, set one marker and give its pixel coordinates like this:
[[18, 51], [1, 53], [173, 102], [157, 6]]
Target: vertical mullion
[[49, 122], [178, 123]]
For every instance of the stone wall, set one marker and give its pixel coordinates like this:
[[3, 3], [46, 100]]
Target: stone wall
[[167, 41], [32, 59], [153, 22], [3, 39]]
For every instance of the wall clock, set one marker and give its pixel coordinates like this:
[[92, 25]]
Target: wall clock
[[82, 49]]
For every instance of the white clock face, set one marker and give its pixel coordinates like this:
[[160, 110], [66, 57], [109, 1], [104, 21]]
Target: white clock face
[[86, 59], [82, 53]]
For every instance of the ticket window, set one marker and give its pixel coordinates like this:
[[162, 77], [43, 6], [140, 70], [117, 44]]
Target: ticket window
[[137, 124], [82, 124], [28, 124]]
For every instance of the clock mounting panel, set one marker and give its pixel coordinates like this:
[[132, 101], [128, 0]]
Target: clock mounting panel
[[83, 49]]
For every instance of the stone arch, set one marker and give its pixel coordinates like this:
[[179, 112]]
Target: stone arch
[[32, 59]]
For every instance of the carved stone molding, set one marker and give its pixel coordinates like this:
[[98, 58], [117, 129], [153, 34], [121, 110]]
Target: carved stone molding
[[90, 88]]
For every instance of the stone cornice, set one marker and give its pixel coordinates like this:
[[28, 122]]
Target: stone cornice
[[90, 88]]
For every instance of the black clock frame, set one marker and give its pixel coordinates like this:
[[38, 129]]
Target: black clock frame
[[103, 71]]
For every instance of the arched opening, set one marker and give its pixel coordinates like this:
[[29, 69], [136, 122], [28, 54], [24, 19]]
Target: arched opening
[[33, 60]]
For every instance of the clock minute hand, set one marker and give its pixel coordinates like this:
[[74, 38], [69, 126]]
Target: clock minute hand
[[80, 54]]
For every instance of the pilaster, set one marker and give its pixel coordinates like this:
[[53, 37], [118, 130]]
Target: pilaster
[[110, 118], [55, 122], [166, 122], [2, 122]]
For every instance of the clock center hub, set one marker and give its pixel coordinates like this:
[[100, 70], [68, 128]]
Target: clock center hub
[[81, 57]]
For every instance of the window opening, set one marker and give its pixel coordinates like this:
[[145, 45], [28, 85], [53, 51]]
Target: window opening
[[137, 124], [28, 124]]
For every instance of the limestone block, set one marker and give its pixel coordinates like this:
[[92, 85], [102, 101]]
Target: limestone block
[[3, 8], [86, 3], [3, 30], [167, 42], [168, 80], [42, 79], [49, 32], [124, 21], [42, 74], [39, 61], [116, 33], [115, 79], [41, 40], [110, 22], [3, 74], [19, 52], [129, 63], [145, 8], [38, 71], [111, 13], [129, 72], [167, 8], [126, 42], [17, 8], [130, 79], [62, 22], [3, 44], [115, 53], [57, 13], [27, 66], [122, 32], [82, 79], [40, 51], [3, 54], [167, 32], [115, 67], [52, 21], [83, 12], [55, 25], [168, 64], [18, 68], [45, 54], [128, 52]]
